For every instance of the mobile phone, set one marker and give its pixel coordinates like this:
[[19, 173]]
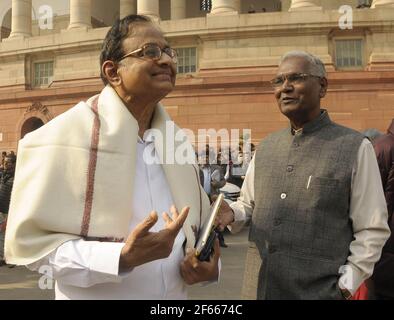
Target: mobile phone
[[206, 240]]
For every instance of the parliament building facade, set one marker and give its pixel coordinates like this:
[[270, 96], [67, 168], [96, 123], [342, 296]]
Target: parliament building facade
[[228, 51]]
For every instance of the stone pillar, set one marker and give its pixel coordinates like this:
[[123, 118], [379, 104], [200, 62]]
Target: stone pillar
[[304, 5], [127, 7], [225, 6], [21, 18], [178, 9], [80, 14], [382, 4], [149, 8]]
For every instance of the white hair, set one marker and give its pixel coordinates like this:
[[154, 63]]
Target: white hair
[[316, 65]]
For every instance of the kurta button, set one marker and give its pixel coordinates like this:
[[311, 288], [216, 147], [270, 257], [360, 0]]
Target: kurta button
[[277, 222], [296, 144], [283, 196], [290, 168]]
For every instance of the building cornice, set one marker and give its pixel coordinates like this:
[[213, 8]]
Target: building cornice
[[213, 28], [208, 85]]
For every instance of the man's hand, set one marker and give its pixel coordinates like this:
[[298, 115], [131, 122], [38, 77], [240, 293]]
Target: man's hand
[[194, 271], [225, 215], [143, 246]]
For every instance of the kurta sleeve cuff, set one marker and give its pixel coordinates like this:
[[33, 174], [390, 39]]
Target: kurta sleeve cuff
[[105, 259], [83, 263], [351, 278]]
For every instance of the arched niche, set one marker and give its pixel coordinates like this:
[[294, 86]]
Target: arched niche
[[5, 25], [34, 117], [30, 125]]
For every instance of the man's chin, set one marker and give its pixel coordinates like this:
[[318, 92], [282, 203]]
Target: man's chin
[[289, 109], [162, 90]]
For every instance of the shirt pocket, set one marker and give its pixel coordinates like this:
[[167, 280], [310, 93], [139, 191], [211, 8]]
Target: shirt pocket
[[322, 193], [323, 182]]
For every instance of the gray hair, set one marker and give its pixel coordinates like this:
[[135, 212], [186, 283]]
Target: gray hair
[[317, 66]]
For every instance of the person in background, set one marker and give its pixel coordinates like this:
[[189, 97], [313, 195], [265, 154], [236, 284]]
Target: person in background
[[383, 275], [212, 179], [236, 170], [6, 183], [3, 155], [372, 134], [222, 161]]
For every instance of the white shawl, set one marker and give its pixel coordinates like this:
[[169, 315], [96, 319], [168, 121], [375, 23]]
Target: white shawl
[[74, 179]]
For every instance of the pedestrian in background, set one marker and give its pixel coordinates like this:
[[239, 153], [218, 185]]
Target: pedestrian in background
[[6, 183], [383, 275]]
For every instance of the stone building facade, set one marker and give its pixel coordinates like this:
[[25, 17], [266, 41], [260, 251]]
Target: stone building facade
[[49, 59]]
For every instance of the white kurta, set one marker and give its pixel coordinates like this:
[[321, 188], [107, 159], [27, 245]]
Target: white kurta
[[89, 269]]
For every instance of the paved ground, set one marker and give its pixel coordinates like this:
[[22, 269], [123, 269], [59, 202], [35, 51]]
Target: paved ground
[[19, 283]]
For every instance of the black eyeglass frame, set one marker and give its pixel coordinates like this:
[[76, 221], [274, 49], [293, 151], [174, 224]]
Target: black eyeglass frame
[[301, 76], [167, 50]]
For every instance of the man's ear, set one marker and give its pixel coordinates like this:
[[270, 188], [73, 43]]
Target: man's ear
[[323, 87], [110, 72]]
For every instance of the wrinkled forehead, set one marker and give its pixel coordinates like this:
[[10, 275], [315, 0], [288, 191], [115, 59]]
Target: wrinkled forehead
[[294, 65], [142, 33]]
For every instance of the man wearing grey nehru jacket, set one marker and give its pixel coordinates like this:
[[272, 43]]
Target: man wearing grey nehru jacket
[[314, 195]]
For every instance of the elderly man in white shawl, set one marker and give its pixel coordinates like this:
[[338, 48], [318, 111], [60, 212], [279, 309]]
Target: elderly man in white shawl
[[89, 184]]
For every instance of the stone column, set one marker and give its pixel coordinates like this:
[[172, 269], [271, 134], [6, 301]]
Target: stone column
[[178, 9], [127, 7], [225, 6], [21, 18], [80, 14], [304, 5], [382, 4], [149, 8]]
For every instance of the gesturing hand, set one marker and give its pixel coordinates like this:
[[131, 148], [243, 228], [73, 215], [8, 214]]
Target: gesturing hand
[[143, 246]]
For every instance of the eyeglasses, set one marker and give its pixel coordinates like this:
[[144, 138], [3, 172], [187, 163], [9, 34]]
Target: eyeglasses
[[292, 78], [153, 52]]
